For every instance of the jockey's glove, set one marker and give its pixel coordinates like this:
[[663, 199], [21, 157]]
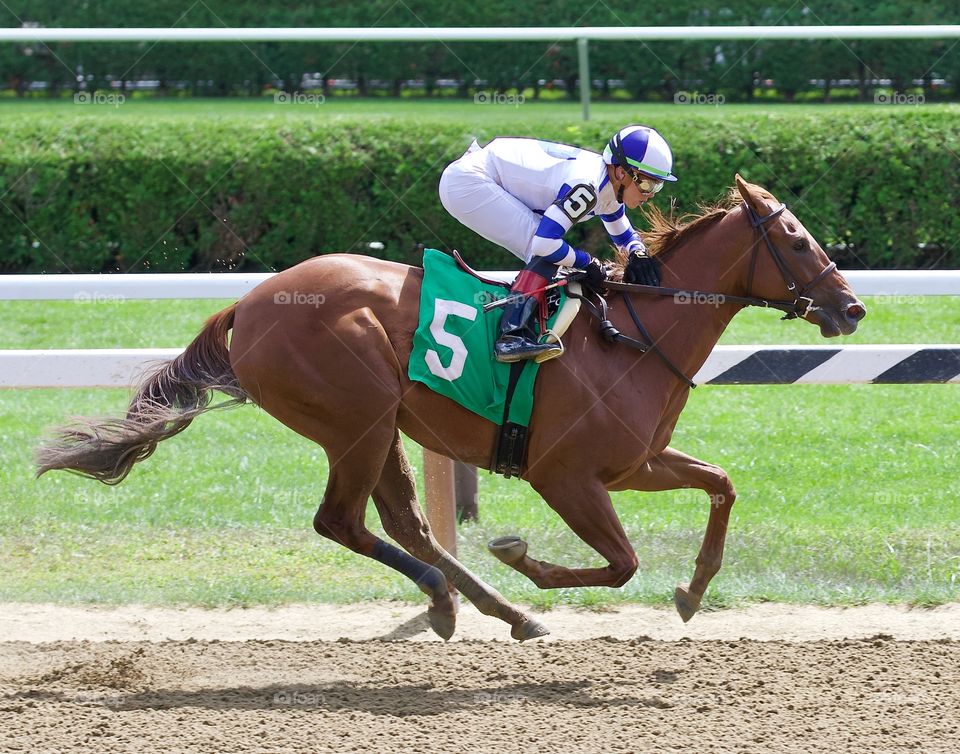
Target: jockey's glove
[[641, 268], [595, 272]]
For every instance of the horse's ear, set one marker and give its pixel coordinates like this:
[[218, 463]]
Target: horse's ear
[[750, 194], [744, 188]]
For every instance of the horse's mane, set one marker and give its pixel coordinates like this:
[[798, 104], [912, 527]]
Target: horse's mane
[[667, 231]]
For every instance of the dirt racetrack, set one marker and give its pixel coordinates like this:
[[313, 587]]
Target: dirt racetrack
[[870, 694]]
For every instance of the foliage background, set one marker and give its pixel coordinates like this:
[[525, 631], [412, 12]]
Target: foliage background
[[92, 192], [651, 71]]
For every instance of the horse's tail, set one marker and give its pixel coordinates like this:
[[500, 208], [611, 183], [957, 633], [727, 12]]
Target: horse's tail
[[165, 403]]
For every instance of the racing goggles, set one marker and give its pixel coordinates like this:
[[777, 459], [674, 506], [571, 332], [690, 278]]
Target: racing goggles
[[645, 184]]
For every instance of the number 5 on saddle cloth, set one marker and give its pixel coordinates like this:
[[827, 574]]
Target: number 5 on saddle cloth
[[453, 354]]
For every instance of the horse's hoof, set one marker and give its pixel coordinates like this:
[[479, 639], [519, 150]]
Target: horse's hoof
[[508, 550], [529, 629], [443, 624], [687, 602]]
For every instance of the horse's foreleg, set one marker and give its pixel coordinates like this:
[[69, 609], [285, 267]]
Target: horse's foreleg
[[396, 500], [587, 510], [672, 470]]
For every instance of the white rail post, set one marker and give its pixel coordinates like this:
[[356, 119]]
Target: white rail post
[[583, 56], [441, 508]]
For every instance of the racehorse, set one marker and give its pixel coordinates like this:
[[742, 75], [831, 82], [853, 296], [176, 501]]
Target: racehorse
[[336, 372]]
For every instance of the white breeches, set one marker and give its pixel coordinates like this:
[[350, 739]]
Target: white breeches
[[470, 192]]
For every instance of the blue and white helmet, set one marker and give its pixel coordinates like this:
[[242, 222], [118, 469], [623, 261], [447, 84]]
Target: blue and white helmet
[[642, 149]]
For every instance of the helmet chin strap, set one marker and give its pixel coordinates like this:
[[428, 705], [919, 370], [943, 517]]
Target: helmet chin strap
[[622, 188], [619, 160]]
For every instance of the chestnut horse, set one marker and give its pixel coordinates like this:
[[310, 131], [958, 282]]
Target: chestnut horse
[[336, 372]]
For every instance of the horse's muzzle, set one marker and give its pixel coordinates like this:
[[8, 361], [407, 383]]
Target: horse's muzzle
[[838, 320], [852, 314]]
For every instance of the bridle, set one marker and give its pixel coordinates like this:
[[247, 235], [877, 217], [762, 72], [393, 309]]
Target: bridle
[[801, 305]]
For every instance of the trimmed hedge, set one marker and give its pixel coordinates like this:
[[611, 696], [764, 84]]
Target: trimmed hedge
[[138, 194]]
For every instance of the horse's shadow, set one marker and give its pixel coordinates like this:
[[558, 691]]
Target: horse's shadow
[[397, 700]]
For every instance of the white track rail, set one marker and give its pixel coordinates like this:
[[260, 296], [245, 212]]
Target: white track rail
[[131, 286], [753, 365], [476, 34]]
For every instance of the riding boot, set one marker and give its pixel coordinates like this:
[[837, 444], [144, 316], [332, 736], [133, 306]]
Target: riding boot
[[518, 337]]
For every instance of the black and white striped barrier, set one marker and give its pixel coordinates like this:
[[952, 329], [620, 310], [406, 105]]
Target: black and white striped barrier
[[831, 365], [727, 365]]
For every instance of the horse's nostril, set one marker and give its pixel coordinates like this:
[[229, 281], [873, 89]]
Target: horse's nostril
[[856, 312]]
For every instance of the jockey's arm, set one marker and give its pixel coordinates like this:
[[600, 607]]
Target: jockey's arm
[[558, 218], [621, 231]]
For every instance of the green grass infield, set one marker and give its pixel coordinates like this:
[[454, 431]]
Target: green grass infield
[[847, 494]]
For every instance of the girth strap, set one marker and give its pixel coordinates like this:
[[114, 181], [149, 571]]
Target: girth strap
[[510, 449]]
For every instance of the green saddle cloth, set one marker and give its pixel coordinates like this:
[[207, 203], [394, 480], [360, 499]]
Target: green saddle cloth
[[453, 344]]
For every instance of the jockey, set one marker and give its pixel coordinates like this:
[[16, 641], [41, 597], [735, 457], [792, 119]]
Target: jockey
[[525, 194]]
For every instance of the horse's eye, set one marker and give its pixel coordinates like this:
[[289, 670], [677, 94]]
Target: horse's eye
[[800, 245]]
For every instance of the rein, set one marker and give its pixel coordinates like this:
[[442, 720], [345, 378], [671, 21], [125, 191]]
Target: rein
[[799, 307], [787, 307], [612, 335]]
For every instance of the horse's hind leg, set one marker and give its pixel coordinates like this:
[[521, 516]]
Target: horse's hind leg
[[396, 499], [376, 465], [354, 472], [403, 522]]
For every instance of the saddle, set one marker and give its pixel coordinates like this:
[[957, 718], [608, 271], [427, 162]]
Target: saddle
[[571, 305], [510, 449]]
